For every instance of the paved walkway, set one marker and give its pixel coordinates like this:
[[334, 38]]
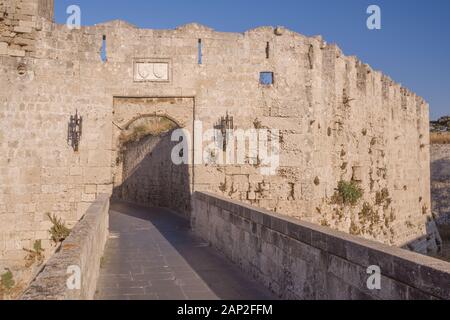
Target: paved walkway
[[151, 254]]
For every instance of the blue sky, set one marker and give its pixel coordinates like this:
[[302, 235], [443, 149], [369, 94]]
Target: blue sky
[[413, 46]]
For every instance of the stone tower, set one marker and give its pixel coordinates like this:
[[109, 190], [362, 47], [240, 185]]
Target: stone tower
[[19, 22]]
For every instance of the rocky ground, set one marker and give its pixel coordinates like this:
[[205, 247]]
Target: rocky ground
[[440, 191]]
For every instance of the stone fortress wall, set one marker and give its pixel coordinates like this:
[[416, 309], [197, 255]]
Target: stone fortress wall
[[440, 186], [20, 21], [339, 120], [298, 260]]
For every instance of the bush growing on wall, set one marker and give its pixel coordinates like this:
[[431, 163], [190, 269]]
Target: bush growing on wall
[[348, 193]]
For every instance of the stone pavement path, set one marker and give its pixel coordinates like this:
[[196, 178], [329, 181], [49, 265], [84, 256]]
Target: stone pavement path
[[152, 255]]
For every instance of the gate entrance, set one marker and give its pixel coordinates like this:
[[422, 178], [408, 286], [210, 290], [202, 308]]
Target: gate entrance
[[145, 173]]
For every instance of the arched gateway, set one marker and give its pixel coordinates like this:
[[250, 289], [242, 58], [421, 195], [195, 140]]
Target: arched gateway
[[144, 170]]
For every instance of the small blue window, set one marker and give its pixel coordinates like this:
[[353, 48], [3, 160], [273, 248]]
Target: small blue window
[[200, 51], [103, 55], [266, 78]]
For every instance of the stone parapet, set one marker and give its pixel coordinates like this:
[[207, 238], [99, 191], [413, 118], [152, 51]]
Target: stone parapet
[[300, 260], [83, 249]]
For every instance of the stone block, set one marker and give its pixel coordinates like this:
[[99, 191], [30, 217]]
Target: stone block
[[3, 48], [382, 259], [76, 171], [90, 189], [16, 53], [21, 41], [99, 158], [406, 271], [436, 281], [105, 188], [278, 225], [97, 175], [357, 253], [319, 240], [23, 29], [27, 24], [358, 174], [336, 246], [30, 175]]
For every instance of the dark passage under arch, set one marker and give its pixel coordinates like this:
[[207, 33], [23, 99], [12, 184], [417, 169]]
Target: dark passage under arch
[[149, 176]]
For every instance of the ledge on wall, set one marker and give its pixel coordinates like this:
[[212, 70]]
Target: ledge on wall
[[81, 251], [301, 260]]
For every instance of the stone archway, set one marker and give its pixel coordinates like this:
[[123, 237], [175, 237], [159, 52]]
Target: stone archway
[[144, 171], [149, 176]]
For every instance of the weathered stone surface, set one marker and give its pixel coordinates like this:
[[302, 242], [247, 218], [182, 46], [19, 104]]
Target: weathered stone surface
[[157, 256], [332, 265], [440, 174], [19, 22], [3, 48], [82, 249]]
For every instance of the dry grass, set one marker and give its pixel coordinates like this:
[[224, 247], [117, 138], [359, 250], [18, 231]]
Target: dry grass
[[440, 138], [143, 130]]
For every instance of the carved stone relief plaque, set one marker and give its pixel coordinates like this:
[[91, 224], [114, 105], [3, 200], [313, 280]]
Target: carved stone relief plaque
[[152, 70]]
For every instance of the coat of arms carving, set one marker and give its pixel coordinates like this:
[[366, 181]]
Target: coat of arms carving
[[151, 71]]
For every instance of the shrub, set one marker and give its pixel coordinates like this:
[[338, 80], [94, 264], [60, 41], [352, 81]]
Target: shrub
[[440, 138], [35, 255], [59, 232], [348, 193], [7, 280]]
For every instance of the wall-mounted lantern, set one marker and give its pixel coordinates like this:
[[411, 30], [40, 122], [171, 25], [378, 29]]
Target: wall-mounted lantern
[[75, 131], [225, 127]]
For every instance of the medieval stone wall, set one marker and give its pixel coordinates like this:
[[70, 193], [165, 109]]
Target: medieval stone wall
[[84, 248], [302, 261], [150, 178], [339, 120], [20, 20], [144, 172], [440, 184]]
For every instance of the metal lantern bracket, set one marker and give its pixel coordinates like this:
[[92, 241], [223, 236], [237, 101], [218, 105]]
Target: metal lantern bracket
[[75, 130], [224, 125]]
